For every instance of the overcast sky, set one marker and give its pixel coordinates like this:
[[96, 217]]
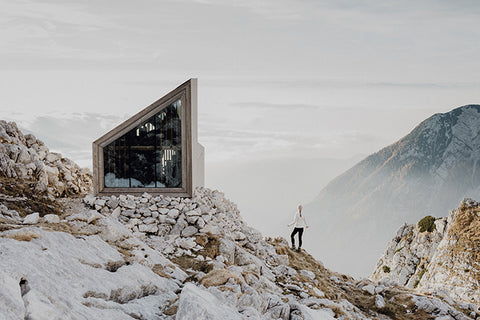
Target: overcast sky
[[291, 92]]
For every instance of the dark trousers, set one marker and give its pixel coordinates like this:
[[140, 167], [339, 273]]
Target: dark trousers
[[300, 233]]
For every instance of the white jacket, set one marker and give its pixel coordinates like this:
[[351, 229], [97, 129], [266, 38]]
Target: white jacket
[[298, 221]]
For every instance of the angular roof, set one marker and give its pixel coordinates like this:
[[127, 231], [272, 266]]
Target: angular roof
[[187, 93]]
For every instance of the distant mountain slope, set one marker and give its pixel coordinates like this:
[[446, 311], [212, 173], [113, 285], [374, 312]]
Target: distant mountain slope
[[428, 171]]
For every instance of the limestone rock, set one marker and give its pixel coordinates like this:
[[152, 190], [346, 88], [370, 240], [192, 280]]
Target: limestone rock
[[33, 218], [379, 302], [173, 213], [216, 277], [369, 288], [307, 273], [186, 243], [51, 218], [196, 303], [189, 231]]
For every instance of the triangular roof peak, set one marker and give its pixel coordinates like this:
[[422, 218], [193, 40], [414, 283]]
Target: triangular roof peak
[[185, 88]]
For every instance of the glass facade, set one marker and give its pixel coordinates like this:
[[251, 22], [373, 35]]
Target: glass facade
[[148, 156]]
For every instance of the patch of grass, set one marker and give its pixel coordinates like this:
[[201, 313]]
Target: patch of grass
[[22, 235], [304, 261], [420, 275], [465, 229], [124, 295], [386, 269], [4, 226], [188, 262], [158, 269], [170, 311], [337, 311], [397, 304], [93, 265], [210, 244], [427, 224], [113, 266], [93, 294]]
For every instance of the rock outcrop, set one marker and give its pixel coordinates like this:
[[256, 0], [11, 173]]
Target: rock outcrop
[[26, 158], [444, 260]]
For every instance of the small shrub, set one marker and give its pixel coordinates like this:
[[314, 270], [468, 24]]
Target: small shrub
[[386, 269], [427, 224]]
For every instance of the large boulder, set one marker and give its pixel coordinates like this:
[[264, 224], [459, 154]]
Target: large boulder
[[197, 303]]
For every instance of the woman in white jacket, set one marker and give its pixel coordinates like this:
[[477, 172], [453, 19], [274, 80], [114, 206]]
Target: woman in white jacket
[[299, 224]]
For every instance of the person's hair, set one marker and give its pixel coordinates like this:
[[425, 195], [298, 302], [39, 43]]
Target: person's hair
[[300, 207]]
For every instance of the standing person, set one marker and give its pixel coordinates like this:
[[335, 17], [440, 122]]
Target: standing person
[[299, 224]]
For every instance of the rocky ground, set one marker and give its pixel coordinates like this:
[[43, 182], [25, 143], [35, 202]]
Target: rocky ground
[[158, 257], [177, 258], [443, 259]]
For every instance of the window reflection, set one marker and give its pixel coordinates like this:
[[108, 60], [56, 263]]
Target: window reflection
[[148, 156]]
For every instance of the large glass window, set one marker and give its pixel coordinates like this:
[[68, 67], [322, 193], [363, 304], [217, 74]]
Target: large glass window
[[148, 156]]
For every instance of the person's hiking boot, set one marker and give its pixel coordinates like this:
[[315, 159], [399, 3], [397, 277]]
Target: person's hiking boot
[[299, 249], [293, 247]]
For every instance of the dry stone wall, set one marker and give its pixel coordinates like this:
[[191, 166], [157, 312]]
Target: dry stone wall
[[174, 222]]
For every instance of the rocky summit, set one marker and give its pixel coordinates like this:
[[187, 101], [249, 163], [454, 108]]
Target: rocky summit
[[26, 158], [437, 255], [428, 172], [158, 257]]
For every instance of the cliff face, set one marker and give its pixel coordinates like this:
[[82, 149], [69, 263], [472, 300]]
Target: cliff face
[[427, 172], [445, 259]]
